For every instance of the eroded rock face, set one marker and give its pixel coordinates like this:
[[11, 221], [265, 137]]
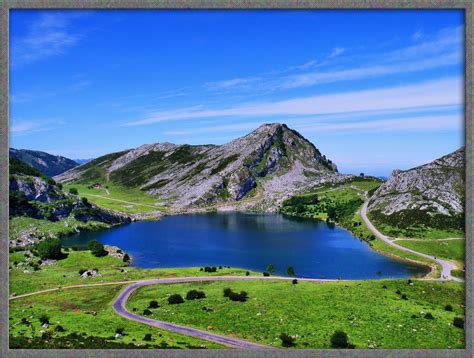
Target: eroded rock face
[[34, 188], [435, 189], [274, 160]]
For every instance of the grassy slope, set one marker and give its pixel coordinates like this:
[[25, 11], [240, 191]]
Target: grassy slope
[[72, 310], [142, 202], [370, 314], [416, 232], [448, 249], [65, 272], [46, 228]]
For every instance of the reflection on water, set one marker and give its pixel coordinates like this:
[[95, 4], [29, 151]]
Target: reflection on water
[[252, 241]]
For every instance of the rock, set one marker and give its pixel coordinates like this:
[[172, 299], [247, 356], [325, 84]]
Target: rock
[[210, 328], [45, 326]]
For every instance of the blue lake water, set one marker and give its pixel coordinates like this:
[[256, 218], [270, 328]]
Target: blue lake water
[[252, 241]]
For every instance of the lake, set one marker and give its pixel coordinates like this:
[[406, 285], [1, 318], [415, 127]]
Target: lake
[[251, 241]]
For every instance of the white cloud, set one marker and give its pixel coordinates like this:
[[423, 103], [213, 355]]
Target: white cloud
[[336, 52], [231, 84], [48, 36], [443, 92]]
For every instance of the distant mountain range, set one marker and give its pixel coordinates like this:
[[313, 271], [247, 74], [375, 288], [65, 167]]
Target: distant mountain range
[[47, 164], [257, 171], [82, 161]]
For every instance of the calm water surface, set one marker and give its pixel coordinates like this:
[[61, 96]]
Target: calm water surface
[[250, 241]]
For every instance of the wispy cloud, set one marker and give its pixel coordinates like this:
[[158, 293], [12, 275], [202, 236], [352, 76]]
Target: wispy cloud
[[231, 84], [447, 91], [48, 36], [23, 127], [336, 52]]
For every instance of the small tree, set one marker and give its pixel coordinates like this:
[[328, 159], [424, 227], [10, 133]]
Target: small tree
[[59, 328], [50, 249], [290, 271], [227, 292], [119, 330], [287, 340], [294, 281], [97, 249], [126, 258], [429, 316], [147, 312], [266, 274], [153, 304], [448, 307], [175, 299], [73, 191], [247, 273]]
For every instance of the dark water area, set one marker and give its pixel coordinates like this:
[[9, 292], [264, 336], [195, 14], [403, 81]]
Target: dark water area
[[251, 241]]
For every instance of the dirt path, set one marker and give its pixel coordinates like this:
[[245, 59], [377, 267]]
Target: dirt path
[[446, 266]]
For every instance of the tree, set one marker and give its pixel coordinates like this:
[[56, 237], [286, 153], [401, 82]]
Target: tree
[[126, 258], [340, 340], [361, 174], [153, 304], [44, 319], [458, 322], [270, 269], [195, 295], [50, 249], [97, 249], [147, 337], [331, 213], [290, 271], [73, 191]]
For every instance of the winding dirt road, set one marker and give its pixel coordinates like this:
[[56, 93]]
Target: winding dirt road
[[446, 266], [120, 302]]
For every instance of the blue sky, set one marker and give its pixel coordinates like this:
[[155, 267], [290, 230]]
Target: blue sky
[[373, 90]]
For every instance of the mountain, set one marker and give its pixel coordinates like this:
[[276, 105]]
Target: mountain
[[47, 164], [257, 171], [82, 161], [431, 195]]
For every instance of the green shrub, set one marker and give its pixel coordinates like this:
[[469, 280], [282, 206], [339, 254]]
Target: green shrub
[[458, 322], [287, 340], [73, 191], [227, 291], [195, 295], [59, 328], [126, 258], [429, 316], [448, 307], [97, 249], [339, 339], [147, 312], [153, 304], [81, 271], [50, 249], [147, 337], [247, 273], [119, 330], [266, 274], [294, 281], [44, 319], [175, 299], [239, 297], [210, 269]]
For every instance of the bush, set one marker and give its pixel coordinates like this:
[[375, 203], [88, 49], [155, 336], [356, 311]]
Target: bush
[[290, 271], [247, 273], [266, 274], [195, 295], [81, 271], [404, 297], [429, 316], [287, 340], [153, 304], [227, 292], [50, 249], [340, 340], [448, 308], [73, 191], [44, 319], [97, 249], [119, 330], [294, 281], [175, 299], [210, 269], [398, 292], [239, 297], [59, 329], [147, 337], [458, 322], [147, 312], [126, 258]]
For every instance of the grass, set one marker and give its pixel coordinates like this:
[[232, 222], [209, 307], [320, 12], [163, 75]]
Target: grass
[[46, 228], [65, 272], [447, 249], [74, 311], [417, 232], [126, 200], [371, 315]]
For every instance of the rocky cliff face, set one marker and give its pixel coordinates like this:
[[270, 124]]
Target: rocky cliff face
[[257, 171], [431, 195], [47, 164]]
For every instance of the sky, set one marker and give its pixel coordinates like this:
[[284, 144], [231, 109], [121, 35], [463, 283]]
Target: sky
[[374, 90]]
